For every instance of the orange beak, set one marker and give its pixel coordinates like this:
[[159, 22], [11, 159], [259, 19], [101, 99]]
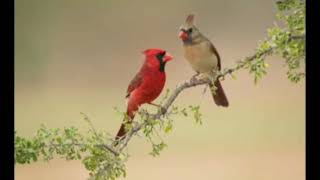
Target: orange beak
[[183, 35], [167, 57]]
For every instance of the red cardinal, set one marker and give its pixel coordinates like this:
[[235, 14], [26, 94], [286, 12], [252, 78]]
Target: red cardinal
[[147, 85]]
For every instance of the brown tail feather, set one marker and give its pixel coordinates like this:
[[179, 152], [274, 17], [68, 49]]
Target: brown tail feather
[[219, 97]]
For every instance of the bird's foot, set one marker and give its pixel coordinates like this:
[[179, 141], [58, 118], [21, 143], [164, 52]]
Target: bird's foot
[[204, 77], [161, 109], [197, 74], [194, 78]]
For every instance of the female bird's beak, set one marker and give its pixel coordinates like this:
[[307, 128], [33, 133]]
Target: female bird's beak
[[183, 35], [167, 57]]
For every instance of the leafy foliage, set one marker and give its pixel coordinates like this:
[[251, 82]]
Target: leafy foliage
[[287, 42], [72, 145], [103, 161], [97, 150]]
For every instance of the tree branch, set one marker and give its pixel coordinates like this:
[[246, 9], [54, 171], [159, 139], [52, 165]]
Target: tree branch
[[185, 85], [105, 146], [189, 84]]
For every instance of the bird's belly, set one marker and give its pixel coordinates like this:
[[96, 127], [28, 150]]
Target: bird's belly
[[203, 65], [201, 58], [151, 94], [148, 91]]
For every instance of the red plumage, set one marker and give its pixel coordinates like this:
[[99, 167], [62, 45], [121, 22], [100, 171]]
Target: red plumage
[[148, 83]]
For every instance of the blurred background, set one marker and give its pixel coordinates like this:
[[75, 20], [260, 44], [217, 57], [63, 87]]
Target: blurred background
[[75, 56]]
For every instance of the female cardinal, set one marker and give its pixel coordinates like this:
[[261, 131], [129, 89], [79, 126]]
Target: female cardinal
[[147, 84], [202, 56]]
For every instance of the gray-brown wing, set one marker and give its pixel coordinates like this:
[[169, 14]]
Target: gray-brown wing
[[135, 83], [214, 50]]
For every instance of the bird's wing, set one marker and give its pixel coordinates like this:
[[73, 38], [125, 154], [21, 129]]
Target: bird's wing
[[134, 84], [214, 50]]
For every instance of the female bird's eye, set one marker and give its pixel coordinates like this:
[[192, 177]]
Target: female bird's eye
[[190, 30]]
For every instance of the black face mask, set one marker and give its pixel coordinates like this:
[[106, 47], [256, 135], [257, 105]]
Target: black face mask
[[162, 63]]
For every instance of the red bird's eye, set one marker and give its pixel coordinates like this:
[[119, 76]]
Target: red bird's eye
[[161, 55]]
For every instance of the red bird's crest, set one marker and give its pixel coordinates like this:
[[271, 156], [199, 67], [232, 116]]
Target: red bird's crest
[[153, 51]]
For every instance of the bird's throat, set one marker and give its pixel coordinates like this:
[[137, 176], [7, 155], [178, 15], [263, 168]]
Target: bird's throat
[[162, 66]]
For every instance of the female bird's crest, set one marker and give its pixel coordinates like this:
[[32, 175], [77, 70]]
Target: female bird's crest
[[190, 19]]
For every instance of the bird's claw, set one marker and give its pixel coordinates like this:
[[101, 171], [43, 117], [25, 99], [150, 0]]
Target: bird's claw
[[194, 78], [160, 108], [163, 110]]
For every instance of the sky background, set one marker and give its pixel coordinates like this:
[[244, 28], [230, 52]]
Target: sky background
[[75, 56]]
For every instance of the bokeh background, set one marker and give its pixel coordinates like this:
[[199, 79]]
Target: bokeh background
[[75, 56]]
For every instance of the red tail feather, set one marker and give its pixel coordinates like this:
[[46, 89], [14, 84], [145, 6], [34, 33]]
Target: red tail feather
[[122, 131]]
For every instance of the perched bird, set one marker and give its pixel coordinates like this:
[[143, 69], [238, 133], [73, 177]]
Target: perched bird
[[147, 85], [202, 56]]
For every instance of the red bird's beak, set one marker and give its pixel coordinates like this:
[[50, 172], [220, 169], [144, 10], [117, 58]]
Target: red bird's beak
[[167, 57], [183, 35]]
